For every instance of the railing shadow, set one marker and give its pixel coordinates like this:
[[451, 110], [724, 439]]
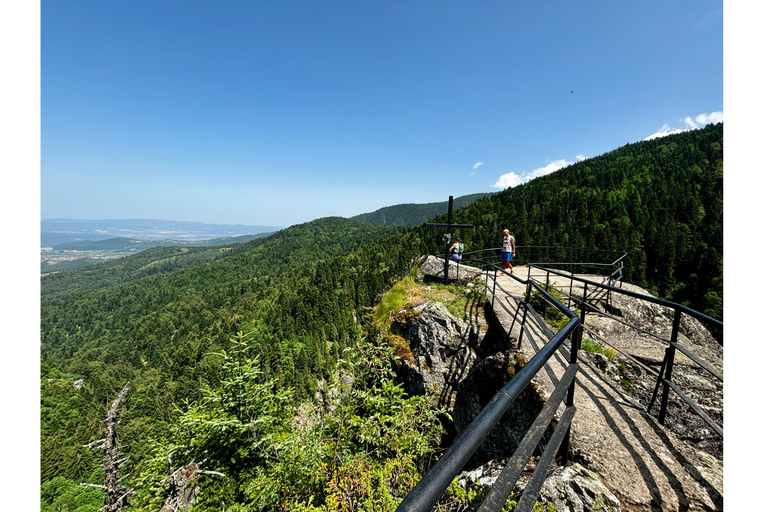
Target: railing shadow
[[550, 355]]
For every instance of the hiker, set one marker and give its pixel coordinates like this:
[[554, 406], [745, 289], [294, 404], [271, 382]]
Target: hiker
[[456, 249], [507, 251]]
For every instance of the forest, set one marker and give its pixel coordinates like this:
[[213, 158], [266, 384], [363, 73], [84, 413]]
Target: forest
[[224, 346], [413, 214]]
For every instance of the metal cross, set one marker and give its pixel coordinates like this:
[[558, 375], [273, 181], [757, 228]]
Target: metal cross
[[450, 227]]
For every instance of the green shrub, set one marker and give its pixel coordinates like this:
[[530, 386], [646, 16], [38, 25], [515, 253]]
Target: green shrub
[[550, 313], [590, 346]]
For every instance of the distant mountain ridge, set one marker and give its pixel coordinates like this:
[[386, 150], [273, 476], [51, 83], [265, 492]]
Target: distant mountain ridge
[[134, 245], [410, 214], [58, 231]]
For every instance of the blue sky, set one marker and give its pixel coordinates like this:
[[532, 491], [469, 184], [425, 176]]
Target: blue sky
[[276, 113]]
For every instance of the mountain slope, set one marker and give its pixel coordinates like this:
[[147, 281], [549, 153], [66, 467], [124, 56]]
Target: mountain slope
[[659, 200], [410, 214]]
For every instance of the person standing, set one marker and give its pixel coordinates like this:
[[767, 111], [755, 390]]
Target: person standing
[[507, 251]]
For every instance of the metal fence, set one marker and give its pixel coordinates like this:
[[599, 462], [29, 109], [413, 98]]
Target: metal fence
[[429, 490], [665, 373]]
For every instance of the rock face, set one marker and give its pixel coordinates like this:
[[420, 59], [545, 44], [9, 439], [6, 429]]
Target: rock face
[[705, 389], [434, 268], [483, 382], [465, 369], [656, 320], [446, 363], [577, 489], [568, 489], [439, 343]]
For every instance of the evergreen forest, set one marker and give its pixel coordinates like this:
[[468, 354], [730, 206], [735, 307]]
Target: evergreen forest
[[412, 214], [230, 351]]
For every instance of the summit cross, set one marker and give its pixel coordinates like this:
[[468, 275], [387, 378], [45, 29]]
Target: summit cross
[[448, 235]]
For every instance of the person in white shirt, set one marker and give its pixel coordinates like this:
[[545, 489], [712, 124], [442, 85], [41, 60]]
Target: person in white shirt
[[507, 251]]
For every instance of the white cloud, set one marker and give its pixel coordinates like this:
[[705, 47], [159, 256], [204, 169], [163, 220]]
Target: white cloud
[[692, 123], [580, 158], [508, 180], [512, 180], [665, 130], [475, 168], [548, 169], [702, 120]]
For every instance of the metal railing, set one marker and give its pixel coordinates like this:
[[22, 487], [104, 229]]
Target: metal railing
[[429, 490], [665, 373], [610, 271]]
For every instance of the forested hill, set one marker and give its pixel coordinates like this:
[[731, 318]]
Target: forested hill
[[298, 244], [302, 298], [410, 214], [660, 200]]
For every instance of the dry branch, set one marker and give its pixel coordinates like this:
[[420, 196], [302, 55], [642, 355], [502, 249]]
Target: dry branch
[[116, 498]]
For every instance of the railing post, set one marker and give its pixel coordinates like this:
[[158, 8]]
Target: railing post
[[563, 452], [658, 382], [670, 363], [525, 313], [493, 293]]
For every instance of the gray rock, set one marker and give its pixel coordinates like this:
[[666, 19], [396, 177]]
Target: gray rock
[[477, 390], [438, 341], [434, 268], [483, 477], [577, 489]]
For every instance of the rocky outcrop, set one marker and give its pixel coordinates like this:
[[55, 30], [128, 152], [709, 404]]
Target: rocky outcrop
[[464, 367], [439, 343], [646, 350], [568, 489], [445, 363], [485, 379], [655, 320], [623, 458], [647, 466], [434, 268]]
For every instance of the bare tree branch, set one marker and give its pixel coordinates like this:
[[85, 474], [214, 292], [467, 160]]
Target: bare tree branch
[[95, 486], [214, 473], [116, 498], [183, 487]]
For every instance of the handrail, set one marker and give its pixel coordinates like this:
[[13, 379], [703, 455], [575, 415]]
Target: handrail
[[429, 490], [664, 376], [622, 255], [426, 493], [647, 298]]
